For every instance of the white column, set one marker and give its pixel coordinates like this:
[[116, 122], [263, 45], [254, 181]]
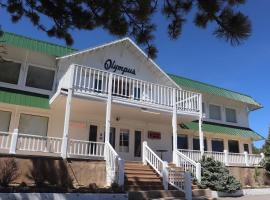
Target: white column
[[226, 157], [121, 172], [13, 143], [64, 146], [188, 186], [201, 136], [144, 144], [165, 175], [108, 110], [174, 125], [246, 158], [198, 172]]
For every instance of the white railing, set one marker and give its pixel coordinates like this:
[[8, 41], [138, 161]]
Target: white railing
[[150, 157], [5, 139], [225, 157], [114, 166], [194, 155], [236, 158], [187, 164], [255, 159], [36, 143], [85, 148], [218, 156], [91, 81]]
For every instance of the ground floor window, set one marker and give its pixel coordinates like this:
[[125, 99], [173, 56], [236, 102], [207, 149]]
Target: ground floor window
[[196, 144], [246, 148], [124, 140], [217, 145], [137, 143], [233, 146], [5, 117], [33, 124], [182, 142]]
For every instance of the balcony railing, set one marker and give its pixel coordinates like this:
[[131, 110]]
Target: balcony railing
[[225, 157], [95, 82]]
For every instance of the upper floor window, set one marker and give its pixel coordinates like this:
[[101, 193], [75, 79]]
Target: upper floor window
[[214, 112], [230, 115], [40, 78], [10, 72], [203, 107]]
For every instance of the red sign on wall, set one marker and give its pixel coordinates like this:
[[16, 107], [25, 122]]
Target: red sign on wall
[[154, 135]]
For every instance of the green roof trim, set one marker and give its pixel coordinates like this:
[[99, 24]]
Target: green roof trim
[[214, 90], [24, 99], [223, 129], [35, 45]]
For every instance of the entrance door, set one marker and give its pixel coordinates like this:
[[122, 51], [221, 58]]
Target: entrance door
[[92, 138], [137, 143]]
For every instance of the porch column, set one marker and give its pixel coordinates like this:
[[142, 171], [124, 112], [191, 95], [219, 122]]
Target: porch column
[[200, 128], [174, 125], [108, 110], [64, 146]]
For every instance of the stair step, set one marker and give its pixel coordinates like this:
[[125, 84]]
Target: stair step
[[149, 175], [140, 172], [139, 169], [144, 179], [131, 188], [156, 194]]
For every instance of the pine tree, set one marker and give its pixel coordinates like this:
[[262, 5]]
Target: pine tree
[[131, 17], [217, 177], [266, 146]]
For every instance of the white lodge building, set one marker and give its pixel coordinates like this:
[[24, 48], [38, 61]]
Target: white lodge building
[[57, 101]]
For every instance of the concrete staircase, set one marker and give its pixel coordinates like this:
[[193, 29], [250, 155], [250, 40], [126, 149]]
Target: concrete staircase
[[142, 182]]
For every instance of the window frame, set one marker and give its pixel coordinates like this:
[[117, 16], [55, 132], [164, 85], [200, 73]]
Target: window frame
[[236, 119], [238, 144], [123, 131], [186, 137], [211, 104], [217, 139], [10, 120], [21, 74], [205, 144], [38, 90]]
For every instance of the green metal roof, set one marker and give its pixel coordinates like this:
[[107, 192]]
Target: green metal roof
[[23, 99], [223, 129], [35, 45], [214, 90]]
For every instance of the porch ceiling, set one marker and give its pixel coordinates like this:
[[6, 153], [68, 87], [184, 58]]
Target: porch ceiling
[[223, 129]]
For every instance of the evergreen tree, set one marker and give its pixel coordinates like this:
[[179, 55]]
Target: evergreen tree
[[217, 177], [266, 146], [131, 17]]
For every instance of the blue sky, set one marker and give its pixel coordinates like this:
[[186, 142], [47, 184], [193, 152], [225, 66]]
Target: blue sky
[[198, 55]]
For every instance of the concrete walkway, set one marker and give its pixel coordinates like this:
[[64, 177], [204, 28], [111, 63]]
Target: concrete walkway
[[248, 197]]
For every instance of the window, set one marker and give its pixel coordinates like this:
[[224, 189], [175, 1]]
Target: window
[[124, 141], [246, 148], [182, 142], [40, 78], [196, 144], [4, 120], [203, 108], [230, 115], [215, 112], [10, 72], [217, 145], [34, 125], [233, 146]]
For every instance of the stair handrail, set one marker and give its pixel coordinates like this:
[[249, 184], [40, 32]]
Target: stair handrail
[[114, 165], [150, 157], [188, 164]]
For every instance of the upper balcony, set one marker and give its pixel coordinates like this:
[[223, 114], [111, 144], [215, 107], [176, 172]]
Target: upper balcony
[[94, 83]]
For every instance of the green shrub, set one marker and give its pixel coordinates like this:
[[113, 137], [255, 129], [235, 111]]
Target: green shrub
[[217, 177], [266, 164]]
